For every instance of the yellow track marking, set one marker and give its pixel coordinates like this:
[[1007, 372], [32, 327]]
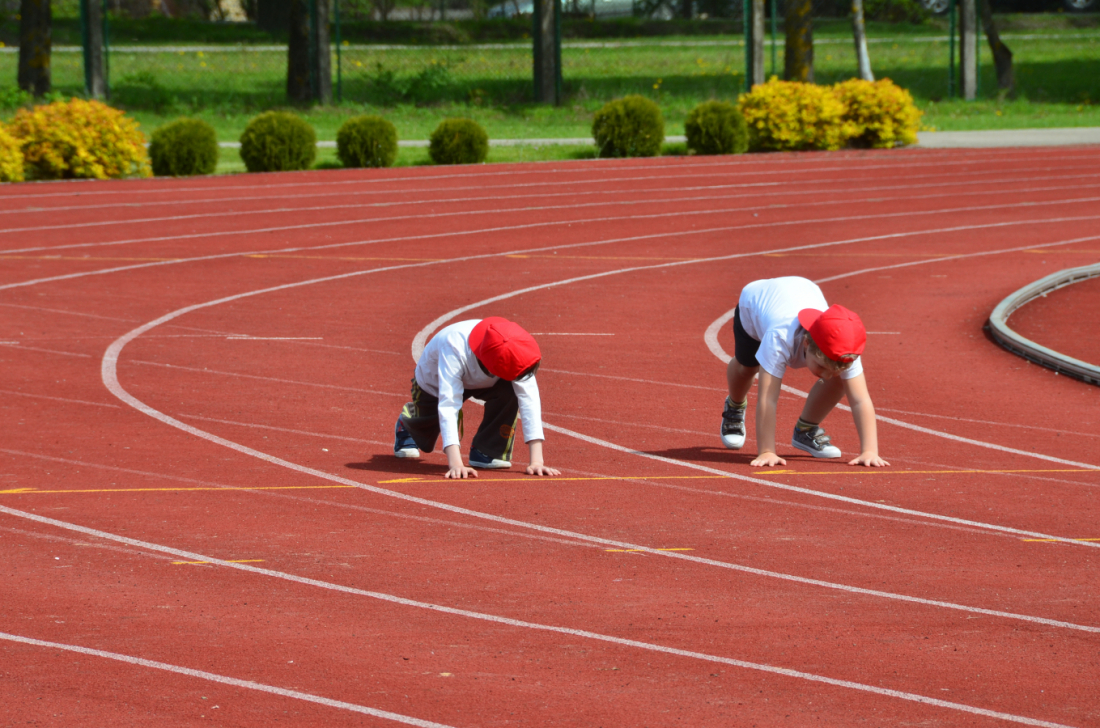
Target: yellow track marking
[[838, 471], [335, 257], [857, 255], [598, 257], [631, 551], [1054, 540], [1062, 252], [31, 491], [236, 561]]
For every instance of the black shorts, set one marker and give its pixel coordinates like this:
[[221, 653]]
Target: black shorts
[[744, 346]]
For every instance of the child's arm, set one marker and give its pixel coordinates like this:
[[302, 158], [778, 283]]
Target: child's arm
[[863, 412], [767, 399], [536, 467], [455, 467]]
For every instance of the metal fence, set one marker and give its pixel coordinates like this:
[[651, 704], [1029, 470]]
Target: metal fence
[[442, 59]]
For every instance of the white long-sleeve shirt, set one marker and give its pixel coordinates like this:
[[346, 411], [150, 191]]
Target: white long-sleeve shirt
[[448, 367]]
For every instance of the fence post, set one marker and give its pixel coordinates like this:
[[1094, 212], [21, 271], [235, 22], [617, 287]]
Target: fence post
[[775, 11], [746, 20], [968, 48], [91, 34], [546, 33], [339, 59], [952, 12]]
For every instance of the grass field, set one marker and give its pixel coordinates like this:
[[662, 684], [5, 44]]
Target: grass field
[[1057, 61]]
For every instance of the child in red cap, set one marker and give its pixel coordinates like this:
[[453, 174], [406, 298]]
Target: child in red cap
[[785, 322], [494, 360]]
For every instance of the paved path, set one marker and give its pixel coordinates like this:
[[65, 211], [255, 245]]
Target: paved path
[[925, 140]]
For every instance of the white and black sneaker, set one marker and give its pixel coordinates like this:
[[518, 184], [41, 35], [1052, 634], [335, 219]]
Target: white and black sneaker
[[733, 426], [815, 442], [480, 460], [404, 446]]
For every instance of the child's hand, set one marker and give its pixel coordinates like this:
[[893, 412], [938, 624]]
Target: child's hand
[[460, 471], [540, 469], [767, 459], [870, 459]]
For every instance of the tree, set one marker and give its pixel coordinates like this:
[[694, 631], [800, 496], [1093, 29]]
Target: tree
[[1002, 56], [798, 60], [35, 39], [309, 64], [860, 37]]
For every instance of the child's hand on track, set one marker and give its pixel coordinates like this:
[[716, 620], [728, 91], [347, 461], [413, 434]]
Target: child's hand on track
[[540, 469], [870, 459], [461, 471], [767, 459]]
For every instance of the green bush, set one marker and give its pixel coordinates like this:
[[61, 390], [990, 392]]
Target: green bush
[[278, 141], [716, 127], [629, 127], [366, 141], [459, 141], [184, 147]]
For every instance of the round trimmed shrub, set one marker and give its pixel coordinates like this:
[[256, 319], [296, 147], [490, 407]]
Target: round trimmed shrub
[[79, 139], [881, 113], [366, 141], [794, 116], [716, 127], [458, 141], [184, 147], [629, 127], [278, 141], [11, 158]]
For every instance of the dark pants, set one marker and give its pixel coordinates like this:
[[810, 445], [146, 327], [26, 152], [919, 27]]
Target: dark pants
[[496, 435]]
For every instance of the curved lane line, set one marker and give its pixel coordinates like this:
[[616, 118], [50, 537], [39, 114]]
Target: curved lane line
[[212, 677], [913, 697]]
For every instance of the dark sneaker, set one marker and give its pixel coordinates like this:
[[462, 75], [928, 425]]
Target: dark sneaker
[[404, 446], [483, 461], [815, 442], [733, 427]]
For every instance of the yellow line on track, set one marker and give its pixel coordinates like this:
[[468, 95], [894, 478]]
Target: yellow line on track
[[632, 551], [335, 257], [235, 561], [1054, 540], [31, 491], [598, 257], [838, 471]]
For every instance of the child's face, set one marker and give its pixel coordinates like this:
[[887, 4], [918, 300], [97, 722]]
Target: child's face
[[820, 367]]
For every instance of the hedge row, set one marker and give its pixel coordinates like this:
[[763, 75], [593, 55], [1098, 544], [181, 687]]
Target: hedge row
[[87, 139]]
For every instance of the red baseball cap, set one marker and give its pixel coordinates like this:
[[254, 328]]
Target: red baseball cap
[[504, 347], [837, 331]]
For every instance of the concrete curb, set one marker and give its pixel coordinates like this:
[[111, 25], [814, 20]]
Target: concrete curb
[[576, 142], [1028, 349]]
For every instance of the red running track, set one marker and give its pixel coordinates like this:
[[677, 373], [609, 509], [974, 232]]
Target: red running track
[[1065, 320], [203, 523]]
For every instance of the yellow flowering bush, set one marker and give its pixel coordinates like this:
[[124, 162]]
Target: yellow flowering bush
[[881, 113], [791, 116], [11, 158], [80, 139]]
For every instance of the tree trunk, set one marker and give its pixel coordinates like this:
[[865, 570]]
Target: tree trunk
[[860, 36], [968, 48], [95, 79], [35, 41], [756, 76], [799, 55], [297, 57], [320, 54], [1002, 56]]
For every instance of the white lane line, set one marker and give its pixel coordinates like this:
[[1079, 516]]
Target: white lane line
[[247, 337], [797, 674], [798, 164], [962, 179], [1075, 433], [21, 347], [550, 208], [58, 399], [560, 333], [109, 373], [222, 679], [663, 199], [283, 495]]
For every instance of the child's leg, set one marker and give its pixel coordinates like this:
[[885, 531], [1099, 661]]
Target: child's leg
[[497, 433], [824, 396], [740, 372], [420, 418], [739, 378]]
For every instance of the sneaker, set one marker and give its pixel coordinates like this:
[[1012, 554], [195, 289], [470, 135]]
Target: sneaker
[[483, 461], [815, 442], [733, 427], [404, 446]]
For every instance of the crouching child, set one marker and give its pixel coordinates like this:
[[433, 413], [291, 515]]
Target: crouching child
[[494, 360]]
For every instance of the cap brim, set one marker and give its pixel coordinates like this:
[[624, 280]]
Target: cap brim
[[807, 316]]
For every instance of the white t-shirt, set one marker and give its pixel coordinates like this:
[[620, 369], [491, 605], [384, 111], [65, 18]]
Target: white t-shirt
[[769, 313], [448, 367]]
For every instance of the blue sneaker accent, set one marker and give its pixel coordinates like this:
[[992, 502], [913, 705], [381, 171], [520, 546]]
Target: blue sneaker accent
[[480, 460], [404, 446]]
